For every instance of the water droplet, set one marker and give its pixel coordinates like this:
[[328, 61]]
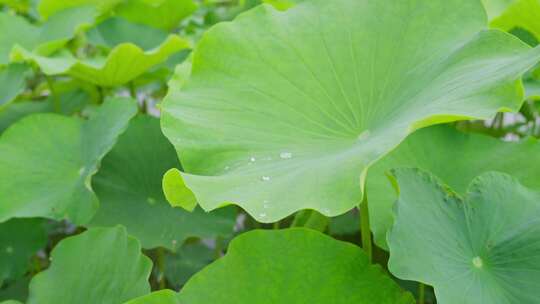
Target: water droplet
[[9, 250], [227, 168], [285, 155], [81, 171], [174, 242], [477, 262], [265, 178], [266, 205], [252, 159], [151, 200], [364, 135], [262, 215]]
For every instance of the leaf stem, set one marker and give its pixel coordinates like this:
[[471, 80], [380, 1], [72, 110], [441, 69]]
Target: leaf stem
[[364, 227], [421, 293], [160, 261], [275, 226], [55, 99]]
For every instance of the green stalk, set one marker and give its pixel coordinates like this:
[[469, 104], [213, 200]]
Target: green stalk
[[421, 293], [364, 227], [160, 261], [56, 100]]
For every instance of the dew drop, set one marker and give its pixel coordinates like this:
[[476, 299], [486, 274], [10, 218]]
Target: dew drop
[[226, 168], [252, 159], [151, 200], [262, 215], [265, 178], [285, 155], [477, 262], [174, 242], [265, 204], [364, 135], [9, 250], [81, 171]]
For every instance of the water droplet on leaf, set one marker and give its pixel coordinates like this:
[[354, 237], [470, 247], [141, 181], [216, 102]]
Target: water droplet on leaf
[[477, 262], [285, 155], [265, 178]]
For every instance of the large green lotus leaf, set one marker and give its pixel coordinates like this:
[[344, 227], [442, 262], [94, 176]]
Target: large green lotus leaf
[[163, 14], [42, 39], [483, 248], [47, 8], [20, 239], [128, 186], [101, 265], [12, 82], [115, 31], [454, 157], [165, 296], [10, 302], [292, 266], [53, 158], [285, 111], [124, 63]]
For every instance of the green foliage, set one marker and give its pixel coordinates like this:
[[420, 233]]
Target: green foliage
[[129, 189], [34, 158], [456, 158], [147, 145], [79, 274], [12, 82], [482, 248], [44, 39], [279, 266], [124, 63], [288, 121]]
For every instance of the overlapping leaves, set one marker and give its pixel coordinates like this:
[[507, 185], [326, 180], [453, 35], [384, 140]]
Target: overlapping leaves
[[454, 157], [482, 248], [128, 186]]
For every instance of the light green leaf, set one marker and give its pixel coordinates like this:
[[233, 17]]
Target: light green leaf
[[282, 5], [47, 8], [101, 265], [12, 82], [115, 31], [10, 302], [484, 248], [287, 110], [524, 14], [162, 14], [41, 39], [20, 239], [292, 266], [456, 158], [124, 63], [176, 192], [165, 296], [53, 158], [128, 186]]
